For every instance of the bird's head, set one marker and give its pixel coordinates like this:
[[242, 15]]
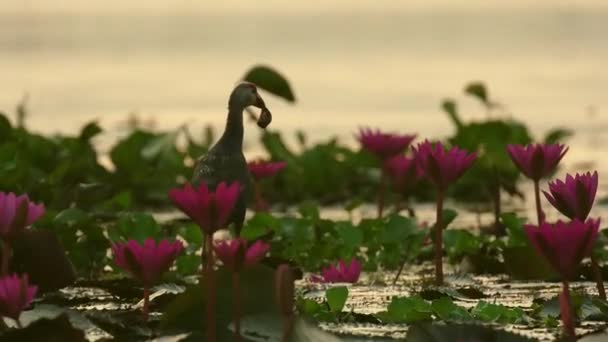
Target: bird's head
[[245, 95]]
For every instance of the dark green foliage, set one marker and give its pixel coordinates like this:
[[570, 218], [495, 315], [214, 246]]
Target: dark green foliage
[[51, 170], [322, 167], [148, 165]]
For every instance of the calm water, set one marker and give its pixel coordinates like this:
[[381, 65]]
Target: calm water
[[351, 63]]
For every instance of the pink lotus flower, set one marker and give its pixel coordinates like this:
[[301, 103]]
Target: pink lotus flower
[[262, 169], [563, 244], [235, 255], [15, 295], [442, 167], [16, 213], [384, 145], [146, 262], [342, 273], [403, 171], [210, 210], [573, 198], [536, 160]]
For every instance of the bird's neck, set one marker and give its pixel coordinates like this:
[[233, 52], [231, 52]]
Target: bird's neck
[[233, 134]]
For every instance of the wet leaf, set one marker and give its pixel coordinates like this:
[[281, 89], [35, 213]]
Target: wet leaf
[[452, 333], [497, 313], [336, 298], [270, 80], [447, 310], [57, 329], [407, 310]]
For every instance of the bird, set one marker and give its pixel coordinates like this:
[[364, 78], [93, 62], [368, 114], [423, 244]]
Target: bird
[[224, 161]]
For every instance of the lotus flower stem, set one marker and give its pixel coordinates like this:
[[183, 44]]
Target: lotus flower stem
[[439, 238], [398, 203], [381, 193], [539, 210], [566, 312], [146, 308], [284, 289], [399, 272], [597, 274], [236, 283], [210, 285], [259, 201], [6, 255], [497, 208], [204, 256]]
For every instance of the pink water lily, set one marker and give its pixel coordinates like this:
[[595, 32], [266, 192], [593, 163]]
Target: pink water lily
[[16, 213], [574, 197], [564, 244], [148, 261], [440, 166], [16, 294], [260, 169], [210, 210], [235, 254], [536, 160], [384, 145], [403, 171], [341, 273]]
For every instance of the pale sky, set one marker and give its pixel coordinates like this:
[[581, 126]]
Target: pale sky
[[283, 6]]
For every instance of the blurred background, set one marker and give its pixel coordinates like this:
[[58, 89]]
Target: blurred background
[[385, 64]]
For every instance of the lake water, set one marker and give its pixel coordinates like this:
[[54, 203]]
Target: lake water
[[382, 64]]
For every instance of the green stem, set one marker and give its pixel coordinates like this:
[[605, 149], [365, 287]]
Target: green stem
[[439, 239]]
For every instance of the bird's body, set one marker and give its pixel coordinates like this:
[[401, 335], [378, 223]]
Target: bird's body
[[225, 161]]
